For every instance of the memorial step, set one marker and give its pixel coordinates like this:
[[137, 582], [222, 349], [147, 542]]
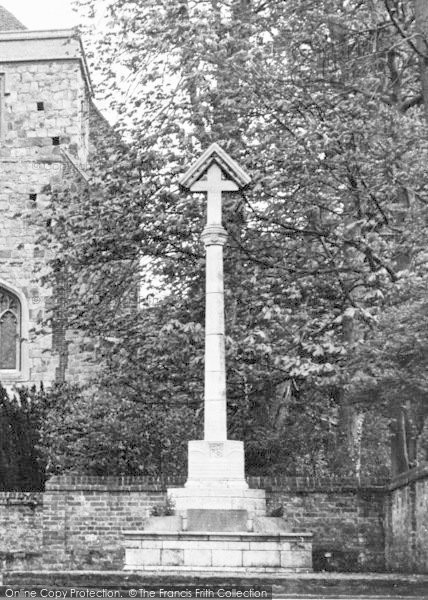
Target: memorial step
[[237, 551], [218, 497]]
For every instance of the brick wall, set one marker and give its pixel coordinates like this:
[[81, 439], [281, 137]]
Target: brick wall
[[347, 522], [83, 518], [78, 522], [406, 544]]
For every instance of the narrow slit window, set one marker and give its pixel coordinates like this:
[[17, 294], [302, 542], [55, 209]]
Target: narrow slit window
[[10, 331], [40, 106], [55, 141]]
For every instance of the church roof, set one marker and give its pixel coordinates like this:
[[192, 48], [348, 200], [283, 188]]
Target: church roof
[[8, 22]]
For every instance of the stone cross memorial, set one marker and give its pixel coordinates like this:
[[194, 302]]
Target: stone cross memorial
[[219, 522], [215, 458]]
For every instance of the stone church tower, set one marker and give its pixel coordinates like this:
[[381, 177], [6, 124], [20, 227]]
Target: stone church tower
[[45, 101]]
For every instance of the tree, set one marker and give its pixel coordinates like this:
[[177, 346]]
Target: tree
[[388, 371], [22, 466], [319, 102], [421, 47], [89, 433]]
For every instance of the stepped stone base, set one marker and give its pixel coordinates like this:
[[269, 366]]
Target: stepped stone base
[[220, 498], [219, 523], [283, 552]]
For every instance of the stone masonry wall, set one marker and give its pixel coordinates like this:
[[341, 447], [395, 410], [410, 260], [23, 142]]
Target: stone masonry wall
[[20, 528], [406, 546], [78, 522], [20, 257], [30, 161], [29, 131]]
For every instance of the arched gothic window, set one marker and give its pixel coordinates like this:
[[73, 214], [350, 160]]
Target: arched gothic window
[[10, 331]]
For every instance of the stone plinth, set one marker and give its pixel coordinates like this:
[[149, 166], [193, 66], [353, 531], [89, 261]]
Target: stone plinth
[[220, 498], [166, 523], [237, 552], [216, 463]]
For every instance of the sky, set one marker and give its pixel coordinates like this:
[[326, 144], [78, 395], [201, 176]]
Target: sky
[[43, 14]]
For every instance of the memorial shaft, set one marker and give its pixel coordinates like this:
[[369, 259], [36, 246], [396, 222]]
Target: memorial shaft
[[215, 419]]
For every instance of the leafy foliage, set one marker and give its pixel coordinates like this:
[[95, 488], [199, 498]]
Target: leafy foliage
[[21, 463], [388, 370], [90, 434], [163, 510], [322, 104]]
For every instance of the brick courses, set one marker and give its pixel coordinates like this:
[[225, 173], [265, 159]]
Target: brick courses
[[77, 522]]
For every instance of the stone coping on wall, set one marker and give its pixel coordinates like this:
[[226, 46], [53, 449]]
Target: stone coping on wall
[[269, 483], [32, 499], [160, 484], [314, 484], [416, 474], [110, 484]]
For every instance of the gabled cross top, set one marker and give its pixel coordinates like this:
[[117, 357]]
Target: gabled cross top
[[214, 154], [214, 172]]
